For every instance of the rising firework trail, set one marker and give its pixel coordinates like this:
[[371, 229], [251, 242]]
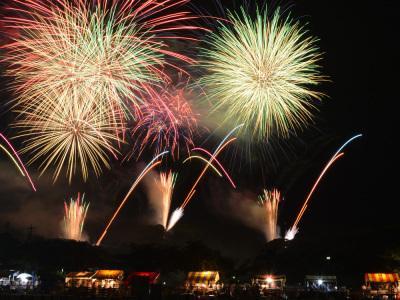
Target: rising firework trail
[[294, 229], [74, 219], [151, 165], [221, 146], [338, 154], [17, 160], [270, 201], [261, 73]]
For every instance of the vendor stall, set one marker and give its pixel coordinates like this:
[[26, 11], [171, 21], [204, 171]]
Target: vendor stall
[[381, 284], [321, 283], [204, 281]]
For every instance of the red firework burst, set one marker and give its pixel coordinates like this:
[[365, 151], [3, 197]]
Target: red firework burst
[[167, 122]]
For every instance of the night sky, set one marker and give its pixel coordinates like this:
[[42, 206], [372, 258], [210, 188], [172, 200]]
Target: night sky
[[356, 195]]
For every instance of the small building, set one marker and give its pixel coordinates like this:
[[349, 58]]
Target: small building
[[204, 281], [108, 279], [321, 283], [381, 284], [79, 279], [270, 284]]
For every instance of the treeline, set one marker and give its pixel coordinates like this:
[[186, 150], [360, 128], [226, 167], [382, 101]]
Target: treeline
[[348, 255]]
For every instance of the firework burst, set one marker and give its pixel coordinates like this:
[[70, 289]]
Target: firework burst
[[167, 122], [74, 219], [108, 53], [270, 200], [259, 73], [67, 137], [102, 57]]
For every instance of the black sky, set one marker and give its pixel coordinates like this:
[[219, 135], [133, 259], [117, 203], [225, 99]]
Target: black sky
[[357, 194]]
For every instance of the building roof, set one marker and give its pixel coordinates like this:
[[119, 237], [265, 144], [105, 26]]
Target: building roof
[[205, 277], [108, 274], [382, 277]]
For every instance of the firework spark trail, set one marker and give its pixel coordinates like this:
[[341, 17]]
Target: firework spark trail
[[218, 163], [305, 205], [227, 136], [206, 161], [270, 200], [189, 196], [178, 213], [12, 159], [335, 156], [346, 143], [294, 229], [259, 73], [220, 147], [151, 165], [21, 164], [75, 216], [167, 183]]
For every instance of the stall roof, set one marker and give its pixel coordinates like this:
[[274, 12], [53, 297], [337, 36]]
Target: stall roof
[[275, 277], [152, 276], [203, 277], [382, 277], [108, 274], [321, 277], [84, 274]]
